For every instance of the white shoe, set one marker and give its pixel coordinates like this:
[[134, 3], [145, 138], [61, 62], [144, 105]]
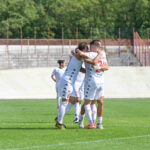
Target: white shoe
[[99, 126], [81, 125]]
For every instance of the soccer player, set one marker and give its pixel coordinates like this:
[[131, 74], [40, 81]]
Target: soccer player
[[56, 76], [94, 83], [76, 96], [67, 82]]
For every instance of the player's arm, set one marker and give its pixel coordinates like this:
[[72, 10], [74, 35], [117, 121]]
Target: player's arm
[[89, 61], [74, 53], [105, 67], [81, 54], [53, 75], [53, 78], [95, 60]]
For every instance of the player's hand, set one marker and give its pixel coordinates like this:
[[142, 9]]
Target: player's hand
[[78, 99], [78, 51], [73, 52], [97, 67]]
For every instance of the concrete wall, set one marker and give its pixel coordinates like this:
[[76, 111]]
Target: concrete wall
[[120, 82], [127, 82]]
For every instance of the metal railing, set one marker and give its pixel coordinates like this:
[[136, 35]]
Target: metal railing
[[141, 49]]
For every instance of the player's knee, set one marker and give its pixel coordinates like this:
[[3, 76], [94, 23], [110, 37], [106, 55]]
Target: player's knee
[[86, 102], [93, 102], [64, 100], [100, 102], [72, 100]]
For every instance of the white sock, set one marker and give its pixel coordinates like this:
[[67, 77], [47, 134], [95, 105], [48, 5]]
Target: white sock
[[88, 113], [77, 109], [58, 101], [68, 107], [61, 112], [80, 107], [82, 117], [100, 119], [94, 112]]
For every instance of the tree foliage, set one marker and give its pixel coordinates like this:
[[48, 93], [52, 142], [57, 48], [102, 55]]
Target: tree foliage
[[36, 17]]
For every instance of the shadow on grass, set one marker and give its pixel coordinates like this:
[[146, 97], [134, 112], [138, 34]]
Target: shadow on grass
[[19, 128], [32, 126]]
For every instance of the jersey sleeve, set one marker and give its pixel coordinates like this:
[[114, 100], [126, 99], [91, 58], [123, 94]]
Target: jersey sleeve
[[54, 72]]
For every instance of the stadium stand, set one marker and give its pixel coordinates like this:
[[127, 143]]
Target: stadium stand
[[43, 54]]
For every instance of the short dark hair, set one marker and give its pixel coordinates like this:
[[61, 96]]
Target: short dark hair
[[82, 46], [60, 62], [95, 43]]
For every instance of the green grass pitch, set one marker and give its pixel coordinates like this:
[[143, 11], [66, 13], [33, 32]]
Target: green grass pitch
[[29, 124]]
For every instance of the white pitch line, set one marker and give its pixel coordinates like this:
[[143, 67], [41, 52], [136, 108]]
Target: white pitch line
[[84, 142]]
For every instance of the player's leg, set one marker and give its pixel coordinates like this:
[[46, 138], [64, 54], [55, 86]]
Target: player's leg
[[94, 111], [88, 111], [89, 94], [58, 102], [77, 100], [70, 104], [100, 107], [82, 110], [100, 113], [58, 95], [72, 100], [61, 113], [82, 116], [77, 109], [66, 90], [76, 96]]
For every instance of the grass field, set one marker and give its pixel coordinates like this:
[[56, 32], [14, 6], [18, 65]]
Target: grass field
[[27, 125]]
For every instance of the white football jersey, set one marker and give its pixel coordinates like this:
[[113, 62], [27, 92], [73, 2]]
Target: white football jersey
[[95, 75], [58, 73], [72, 70]]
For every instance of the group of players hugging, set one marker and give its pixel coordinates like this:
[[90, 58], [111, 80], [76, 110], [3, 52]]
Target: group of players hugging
[[83, 78]]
